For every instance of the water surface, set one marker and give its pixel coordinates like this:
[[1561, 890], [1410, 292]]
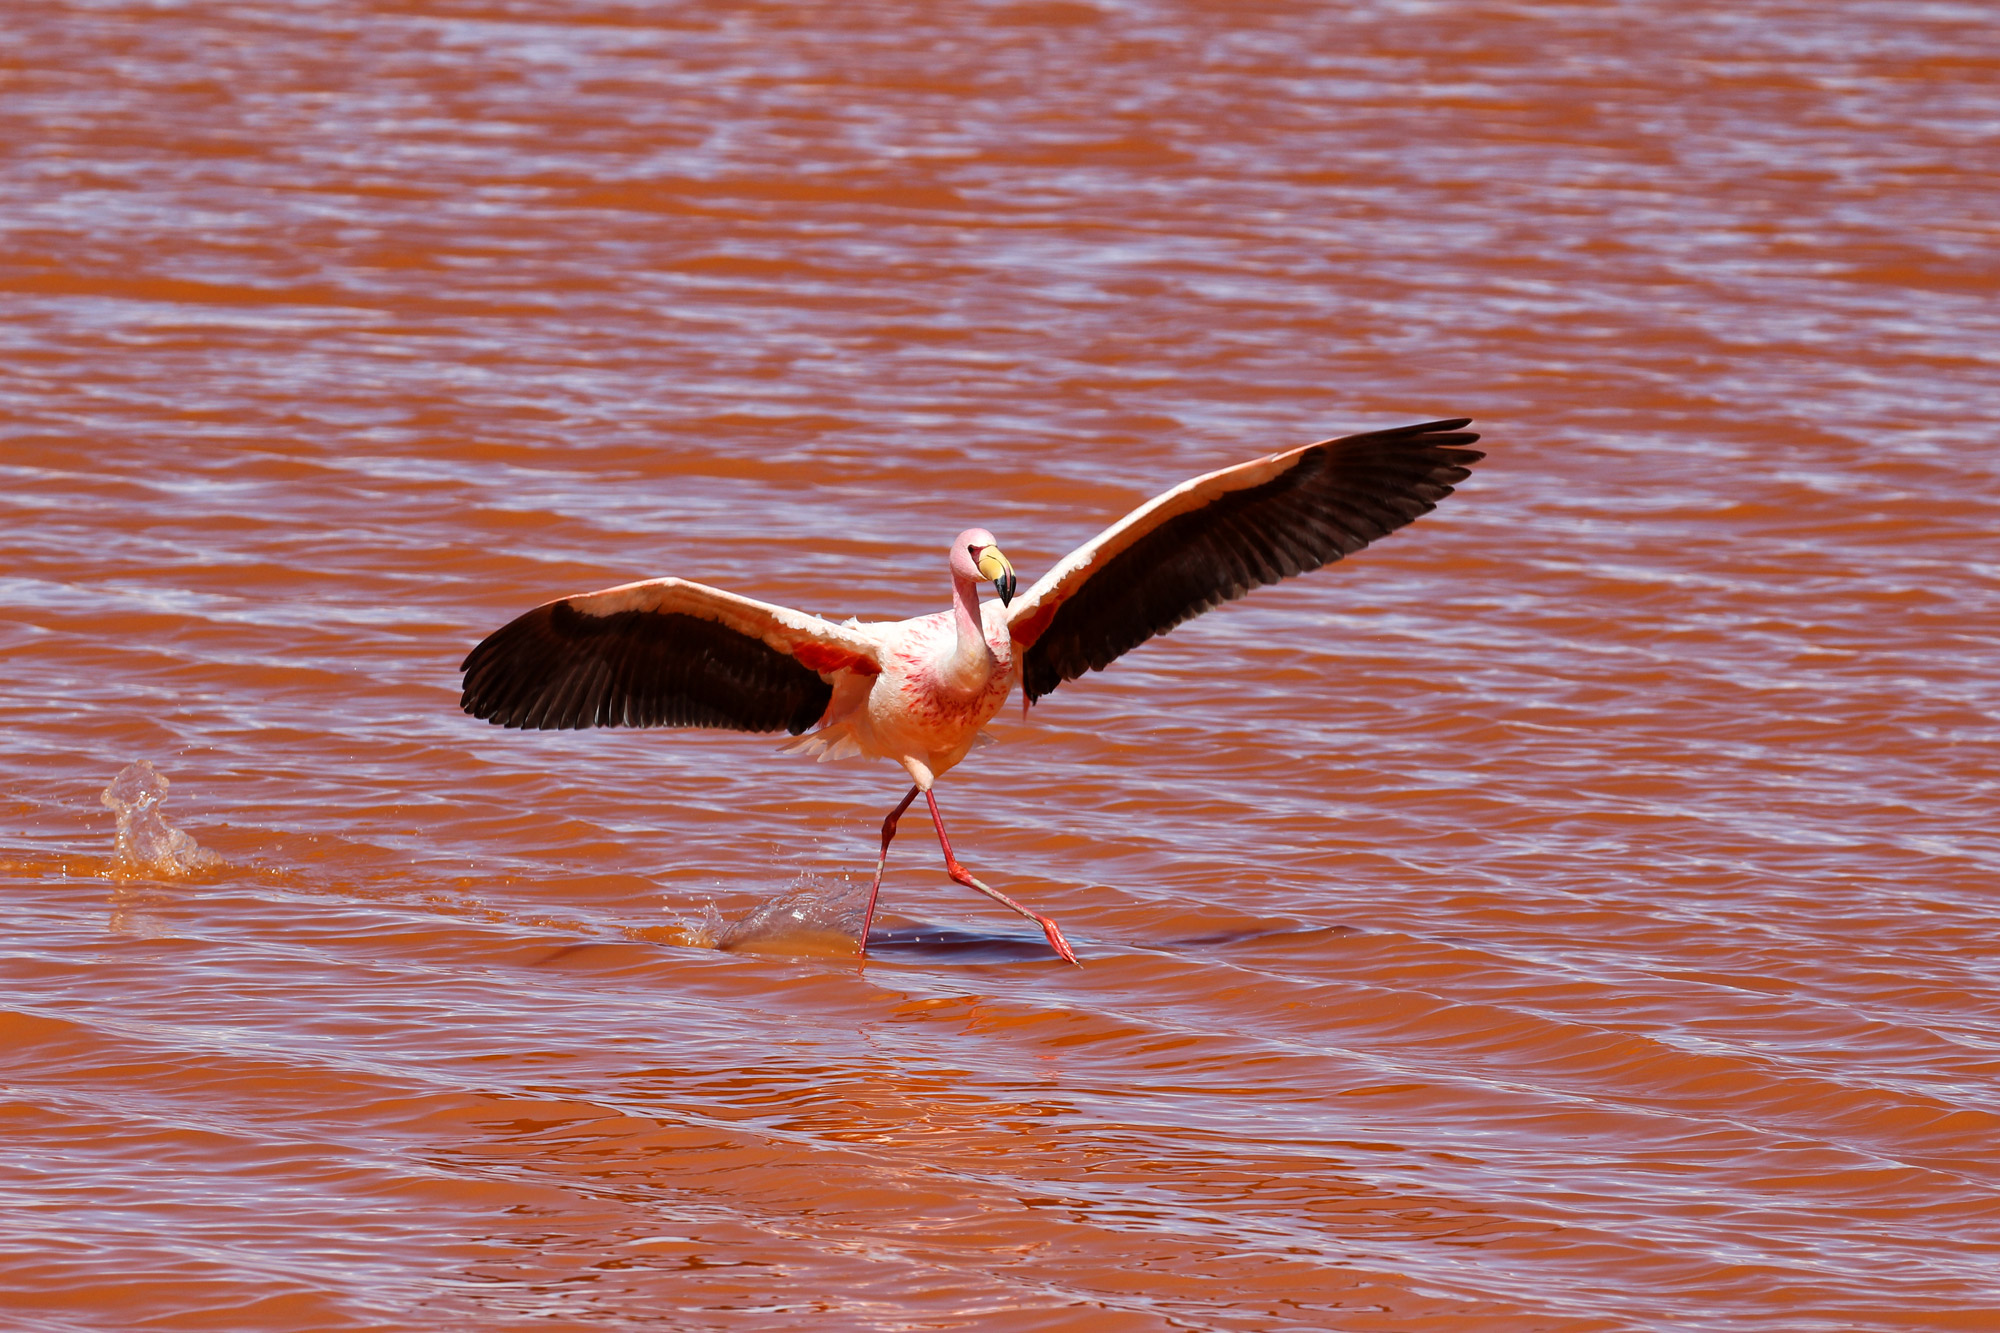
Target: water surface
[[1576, 913]]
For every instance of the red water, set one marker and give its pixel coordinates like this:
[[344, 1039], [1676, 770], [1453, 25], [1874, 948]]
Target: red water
[[1576, 913]]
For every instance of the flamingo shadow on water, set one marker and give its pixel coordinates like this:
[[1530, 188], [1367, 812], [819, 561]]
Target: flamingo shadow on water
[[669, 653], [934, 944]]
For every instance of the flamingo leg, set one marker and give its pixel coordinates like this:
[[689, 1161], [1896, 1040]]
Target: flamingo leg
[[888, 832], [961, 875]]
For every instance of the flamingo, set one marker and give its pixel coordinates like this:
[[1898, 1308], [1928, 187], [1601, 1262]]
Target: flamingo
[[667, 652]]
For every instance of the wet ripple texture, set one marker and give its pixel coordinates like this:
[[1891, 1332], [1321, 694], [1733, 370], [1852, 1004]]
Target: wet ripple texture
[[1576, 913]]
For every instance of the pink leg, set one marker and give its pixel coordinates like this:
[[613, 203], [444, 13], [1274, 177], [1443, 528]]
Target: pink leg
[[888, 832], [963, 876]]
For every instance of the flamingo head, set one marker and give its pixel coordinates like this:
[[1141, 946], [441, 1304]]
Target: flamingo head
[[976, 556]]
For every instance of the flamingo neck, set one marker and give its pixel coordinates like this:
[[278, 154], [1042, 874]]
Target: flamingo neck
[[970, 665]]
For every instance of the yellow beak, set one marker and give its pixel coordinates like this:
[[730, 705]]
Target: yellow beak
[[995, 566]]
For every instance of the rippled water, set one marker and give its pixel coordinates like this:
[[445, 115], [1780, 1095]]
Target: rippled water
[[1576, 913]]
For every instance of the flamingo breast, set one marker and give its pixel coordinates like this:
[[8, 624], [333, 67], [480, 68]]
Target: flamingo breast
[[914, 711]]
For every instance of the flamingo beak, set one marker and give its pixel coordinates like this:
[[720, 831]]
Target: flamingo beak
[[995, 566]]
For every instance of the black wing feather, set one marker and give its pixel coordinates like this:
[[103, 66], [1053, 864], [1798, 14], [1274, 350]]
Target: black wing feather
[[1336, 498], [558, 668]]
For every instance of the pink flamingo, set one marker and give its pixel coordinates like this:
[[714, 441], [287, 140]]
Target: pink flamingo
[[670, 653]]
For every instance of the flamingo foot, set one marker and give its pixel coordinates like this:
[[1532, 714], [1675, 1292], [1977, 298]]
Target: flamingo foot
[[1056, 940]]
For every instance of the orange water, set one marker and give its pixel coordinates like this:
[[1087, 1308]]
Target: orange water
[[1577, 913]]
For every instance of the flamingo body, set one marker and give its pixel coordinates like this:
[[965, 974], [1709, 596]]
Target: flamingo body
[[912, 710]]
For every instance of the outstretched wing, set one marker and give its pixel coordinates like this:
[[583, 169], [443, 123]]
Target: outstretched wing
[[662, 653], [1212, 539]]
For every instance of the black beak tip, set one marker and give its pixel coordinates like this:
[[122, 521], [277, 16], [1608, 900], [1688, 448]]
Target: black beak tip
[[1004, 585]]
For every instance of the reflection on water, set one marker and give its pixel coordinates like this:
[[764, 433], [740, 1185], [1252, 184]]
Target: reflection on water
[[138, 909]]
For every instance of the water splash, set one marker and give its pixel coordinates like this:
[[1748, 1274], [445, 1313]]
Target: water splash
[[814, 917], [147, 844]]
